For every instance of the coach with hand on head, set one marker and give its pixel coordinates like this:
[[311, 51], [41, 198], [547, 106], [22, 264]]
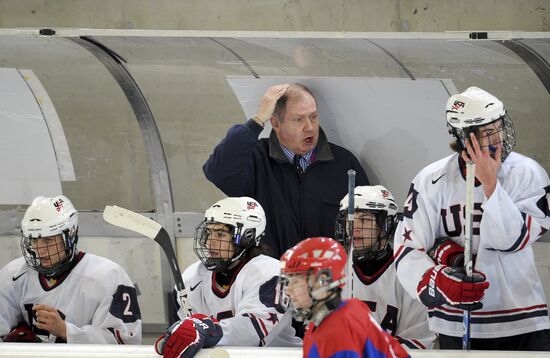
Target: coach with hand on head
[[295, 174]]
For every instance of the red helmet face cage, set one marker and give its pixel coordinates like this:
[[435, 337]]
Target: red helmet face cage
[[322, 261], [316, 254]]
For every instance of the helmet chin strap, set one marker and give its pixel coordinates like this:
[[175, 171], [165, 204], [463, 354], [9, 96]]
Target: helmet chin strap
[[320, 309]]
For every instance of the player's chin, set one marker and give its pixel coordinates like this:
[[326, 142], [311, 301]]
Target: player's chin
[[46, 263]]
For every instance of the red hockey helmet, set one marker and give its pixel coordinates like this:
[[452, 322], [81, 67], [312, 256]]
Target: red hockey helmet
[[314, 255], [321, 261]]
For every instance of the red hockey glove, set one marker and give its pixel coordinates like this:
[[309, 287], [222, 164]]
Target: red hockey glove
[[214, 332], [443, 284], [22, 333], [186, 337], [447, 252]]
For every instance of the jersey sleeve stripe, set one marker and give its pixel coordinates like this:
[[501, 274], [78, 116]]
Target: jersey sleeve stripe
[[485, 313], [524, 236], [118, 337], [116, 334], [264, 329], [412, 343], [401, 253], [455, 315], [528, 236], [257, 328]]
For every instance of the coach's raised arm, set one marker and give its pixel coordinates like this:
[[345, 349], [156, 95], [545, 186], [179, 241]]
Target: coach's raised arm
[[295, 174]]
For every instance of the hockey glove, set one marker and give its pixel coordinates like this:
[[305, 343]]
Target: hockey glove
[[447, 252], [214, 332], [186, 337], [448, 285], [23, 334]]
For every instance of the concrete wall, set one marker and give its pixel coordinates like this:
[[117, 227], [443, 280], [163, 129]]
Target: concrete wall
[[279, 15]]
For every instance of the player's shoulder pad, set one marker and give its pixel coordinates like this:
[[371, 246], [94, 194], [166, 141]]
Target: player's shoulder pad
[[101, 267], [439, 166], [437, 172], [194, 270], [523, 169], [262, 266], [14, 268]]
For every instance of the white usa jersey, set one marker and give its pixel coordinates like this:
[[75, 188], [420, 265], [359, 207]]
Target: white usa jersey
[[394, 309], [96, 298], [246, 310], [504, 228]]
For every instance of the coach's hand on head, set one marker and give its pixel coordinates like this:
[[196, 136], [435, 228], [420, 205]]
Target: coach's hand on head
[[49, 319], [269, 100]]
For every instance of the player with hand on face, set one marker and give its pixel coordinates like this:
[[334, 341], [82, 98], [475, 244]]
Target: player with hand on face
[[511, 211], [56, 293], [312, 280], [233, 287], [374, 278]]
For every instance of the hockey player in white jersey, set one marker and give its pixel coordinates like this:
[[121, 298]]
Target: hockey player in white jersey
[[234, 281], [511, 211], [56, 293], [374, 278]]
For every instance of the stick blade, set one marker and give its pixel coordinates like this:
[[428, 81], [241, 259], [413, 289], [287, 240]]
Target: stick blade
[[129, 220]]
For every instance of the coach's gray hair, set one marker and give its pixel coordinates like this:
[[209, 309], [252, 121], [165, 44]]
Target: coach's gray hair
[[296, 91]]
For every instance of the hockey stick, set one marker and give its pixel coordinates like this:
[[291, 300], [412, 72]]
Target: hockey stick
[[350, 222], [468, 264], [135, 222]]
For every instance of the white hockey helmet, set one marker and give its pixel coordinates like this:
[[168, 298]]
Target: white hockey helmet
[[377, 200], [246, 219], [47, 217], [476, 108]]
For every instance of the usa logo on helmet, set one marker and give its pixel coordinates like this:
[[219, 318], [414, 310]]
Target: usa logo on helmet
[[58, 205], [457, 105]]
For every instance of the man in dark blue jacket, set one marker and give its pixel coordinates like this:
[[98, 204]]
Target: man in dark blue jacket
[[296, 174]]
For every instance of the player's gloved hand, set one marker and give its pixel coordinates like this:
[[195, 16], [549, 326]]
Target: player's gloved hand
[[447, 252], [450, 285], [186, 337], [214, 332], [22, 333]]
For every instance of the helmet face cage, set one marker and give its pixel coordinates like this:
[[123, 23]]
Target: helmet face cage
[[299, 314], [219, 245], [242, 219], [310, 288], [373, 223], [340, 228], [491, 135], [318, 264], [371, 231], [49, 234], [370, 237], [39, 252]]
